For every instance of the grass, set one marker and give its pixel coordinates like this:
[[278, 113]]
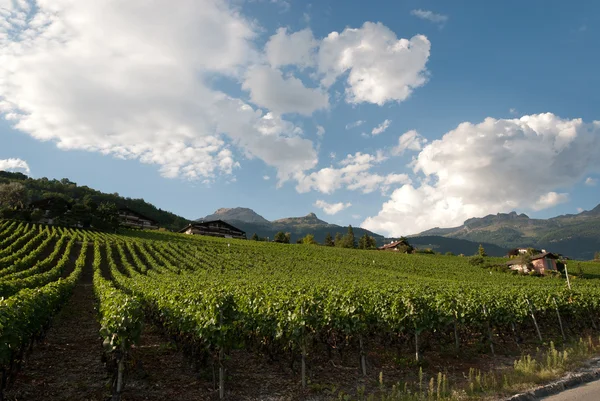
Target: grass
[[528, 371]]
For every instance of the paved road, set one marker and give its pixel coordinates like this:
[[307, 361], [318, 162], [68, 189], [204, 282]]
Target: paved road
[[585, 392]]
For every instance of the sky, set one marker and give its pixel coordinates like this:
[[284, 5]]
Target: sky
[[396, 116]]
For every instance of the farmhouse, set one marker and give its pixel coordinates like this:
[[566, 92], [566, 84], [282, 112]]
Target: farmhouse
[[132, 219], [214, 228], [539, 263], [398, 246]]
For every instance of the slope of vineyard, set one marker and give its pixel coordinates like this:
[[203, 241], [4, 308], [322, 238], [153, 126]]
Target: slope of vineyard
[[215, 296]]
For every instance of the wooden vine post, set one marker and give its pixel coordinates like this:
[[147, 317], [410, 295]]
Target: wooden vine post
[[567, 274], [416, 345], [221, 366], [489, 330], [456, 341], [514, 330], [562, 332], [363, 360], [303, 349], [537, 328]]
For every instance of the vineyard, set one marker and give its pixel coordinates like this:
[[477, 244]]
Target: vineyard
[[214, 297]]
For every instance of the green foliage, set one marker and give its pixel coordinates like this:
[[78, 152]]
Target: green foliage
[[367, 242], [597, 256], [328, 240], [481, 251], [37, 189], [255, 237], [106, 217], [282, 238], [309, 239]]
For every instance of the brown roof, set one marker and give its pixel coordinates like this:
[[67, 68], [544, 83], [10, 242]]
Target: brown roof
[[544, 255], [206, 223], [393, 244]]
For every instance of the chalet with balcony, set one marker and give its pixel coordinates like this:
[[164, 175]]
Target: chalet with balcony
[[540, 263], [132, 219], [214, 228]]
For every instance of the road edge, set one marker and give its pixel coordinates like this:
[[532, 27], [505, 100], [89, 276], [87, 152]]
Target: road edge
[[588, 373]]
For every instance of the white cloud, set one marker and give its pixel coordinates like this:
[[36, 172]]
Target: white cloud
[[579, 209], [266, 177], [550, 199], [495, 166], [356, 216], [320, 130], [15, 165], [381, 127], [332, 208], [268, 88], [354, 174], [591, 182], [381, 67], [410, 140], [298, 48], [142, 89], [355, 124], [513, 111], [430, 16]]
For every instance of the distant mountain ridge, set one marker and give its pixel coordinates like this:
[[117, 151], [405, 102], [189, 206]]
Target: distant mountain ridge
[[574, 235], [251, 222]]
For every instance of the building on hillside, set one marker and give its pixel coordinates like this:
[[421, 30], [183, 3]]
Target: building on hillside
[[132, 219], [539, 263], [398, 246], [214, 228]]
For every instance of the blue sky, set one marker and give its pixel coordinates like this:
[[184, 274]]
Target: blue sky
[[273, 105]]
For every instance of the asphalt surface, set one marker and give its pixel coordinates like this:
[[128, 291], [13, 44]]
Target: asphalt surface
[[585, 392]]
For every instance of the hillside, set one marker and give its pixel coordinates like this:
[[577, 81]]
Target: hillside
[[39, 188], [251, 222], [574, 235], [455, 245]]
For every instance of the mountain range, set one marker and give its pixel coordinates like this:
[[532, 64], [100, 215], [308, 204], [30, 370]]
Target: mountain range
[[251, 222], [574, 235]]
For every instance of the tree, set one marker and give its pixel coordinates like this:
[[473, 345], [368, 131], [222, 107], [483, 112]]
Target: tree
[[339, 240], [328, 240], [372, 242], [349, 241], [364, 242], [288, 238], [481, 251], [281, 238], [255, 237], [597, 256], [13, 195], [309, 239], [106, 217]]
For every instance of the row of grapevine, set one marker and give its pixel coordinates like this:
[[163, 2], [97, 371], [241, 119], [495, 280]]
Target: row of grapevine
[[25, 316]]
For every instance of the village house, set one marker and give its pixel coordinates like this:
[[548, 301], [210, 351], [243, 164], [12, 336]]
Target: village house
[[132, 219], [398, 246], [214, 228], [539, 263]]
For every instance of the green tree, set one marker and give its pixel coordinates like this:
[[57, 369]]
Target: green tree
[[13, 195], [255, 237], [288, 238], [481, 251], [106, 217], [328, 240], [309, 239], [597, 256], [364, 242], [281, 238], [339, 240], [349, 241]]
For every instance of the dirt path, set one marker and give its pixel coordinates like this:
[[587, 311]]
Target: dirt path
[[67, 365]]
